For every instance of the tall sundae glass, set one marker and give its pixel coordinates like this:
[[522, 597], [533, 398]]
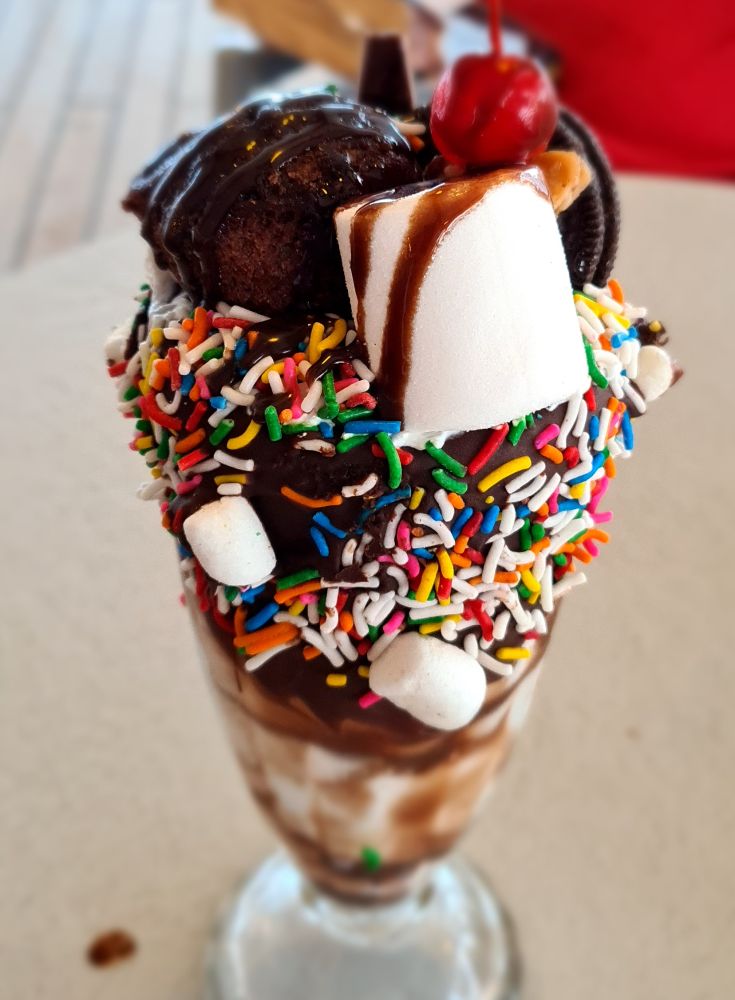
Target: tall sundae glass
[[381, 378]]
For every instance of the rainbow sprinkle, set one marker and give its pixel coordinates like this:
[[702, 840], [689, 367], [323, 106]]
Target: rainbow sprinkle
[[480, 553]]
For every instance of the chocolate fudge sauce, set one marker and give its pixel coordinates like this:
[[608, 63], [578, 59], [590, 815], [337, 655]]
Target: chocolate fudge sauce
[[433, 215], [255, 160]]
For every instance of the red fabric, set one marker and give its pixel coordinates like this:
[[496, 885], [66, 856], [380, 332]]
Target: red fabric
[[655, 79]]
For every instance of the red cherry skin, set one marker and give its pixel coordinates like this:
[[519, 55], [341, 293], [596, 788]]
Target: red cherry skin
[[491, 110]]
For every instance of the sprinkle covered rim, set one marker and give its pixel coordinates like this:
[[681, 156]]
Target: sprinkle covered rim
[[478, 553]]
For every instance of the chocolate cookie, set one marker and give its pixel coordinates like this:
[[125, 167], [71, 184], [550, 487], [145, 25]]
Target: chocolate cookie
[[591, 227]]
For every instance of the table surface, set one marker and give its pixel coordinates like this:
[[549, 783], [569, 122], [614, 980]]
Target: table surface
[[610, 835]]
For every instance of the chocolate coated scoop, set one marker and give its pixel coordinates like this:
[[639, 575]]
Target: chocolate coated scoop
[[242, 211]]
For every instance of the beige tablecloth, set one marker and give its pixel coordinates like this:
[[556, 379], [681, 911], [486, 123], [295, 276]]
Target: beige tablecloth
[[611, 835]]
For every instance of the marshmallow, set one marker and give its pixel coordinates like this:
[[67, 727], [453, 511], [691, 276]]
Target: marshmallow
[[494, 334], [230, 542], [440, 685], [117, 342], [655, 372]]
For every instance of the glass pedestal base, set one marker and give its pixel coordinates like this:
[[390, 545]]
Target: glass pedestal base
[[280, 939]]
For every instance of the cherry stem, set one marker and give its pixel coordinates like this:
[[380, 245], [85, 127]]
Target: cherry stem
[[495, 32]]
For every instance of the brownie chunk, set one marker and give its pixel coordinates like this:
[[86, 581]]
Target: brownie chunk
[[242, 211]]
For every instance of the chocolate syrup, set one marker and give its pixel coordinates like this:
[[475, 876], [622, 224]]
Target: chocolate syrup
[[432, 216], [361, 235]]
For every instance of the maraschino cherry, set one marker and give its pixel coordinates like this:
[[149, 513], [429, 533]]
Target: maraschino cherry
[[493, 110]]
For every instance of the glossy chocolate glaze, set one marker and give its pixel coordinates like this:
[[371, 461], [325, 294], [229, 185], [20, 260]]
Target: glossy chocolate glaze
[[242, 210], [283, 162]]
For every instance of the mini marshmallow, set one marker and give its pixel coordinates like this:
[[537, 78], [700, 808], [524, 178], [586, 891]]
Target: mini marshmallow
[[230, 542], [655, 372], [477, 352], [438, 684], [117, 342]]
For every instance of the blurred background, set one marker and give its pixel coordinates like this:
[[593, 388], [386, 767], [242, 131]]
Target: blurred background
[[90, 88], [611, 837]]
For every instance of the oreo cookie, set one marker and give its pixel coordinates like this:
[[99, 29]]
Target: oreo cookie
[[590, 228]]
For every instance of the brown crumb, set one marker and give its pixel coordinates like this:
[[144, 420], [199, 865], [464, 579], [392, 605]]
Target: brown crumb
[[566, 175], [111, 947]]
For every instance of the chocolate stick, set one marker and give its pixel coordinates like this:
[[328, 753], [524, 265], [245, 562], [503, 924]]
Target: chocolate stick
[[385, 79]]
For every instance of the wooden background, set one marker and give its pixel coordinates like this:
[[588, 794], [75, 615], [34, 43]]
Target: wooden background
[[331, 31]]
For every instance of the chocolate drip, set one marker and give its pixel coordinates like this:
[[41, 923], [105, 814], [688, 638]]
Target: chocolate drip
[[150, 176], [432, 216], [263, 401], [361, 235], [328, 360], [279, 338]]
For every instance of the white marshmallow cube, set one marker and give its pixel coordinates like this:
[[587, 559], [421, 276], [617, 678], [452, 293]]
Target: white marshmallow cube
[[495, 334], [439, 684], [230, 542]]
